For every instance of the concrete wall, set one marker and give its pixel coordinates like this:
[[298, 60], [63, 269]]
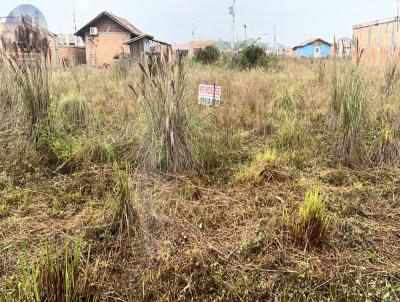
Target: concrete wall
[[308, 51], [378, 42], [101, 49], [75, 55]]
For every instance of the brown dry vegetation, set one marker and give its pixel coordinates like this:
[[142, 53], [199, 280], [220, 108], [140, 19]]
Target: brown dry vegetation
[[222, 228]]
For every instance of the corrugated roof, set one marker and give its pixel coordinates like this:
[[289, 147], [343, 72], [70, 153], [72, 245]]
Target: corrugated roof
[[309, 41], [121, 21], [151, 38], [139, 38]]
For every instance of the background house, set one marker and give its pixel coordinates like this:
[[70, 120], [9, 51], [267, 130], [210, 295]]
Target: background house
[[190, 48], [288, 52], [313, 48], [146, 44], [104, 37], [342, 48], [376, 42], [70, 51]]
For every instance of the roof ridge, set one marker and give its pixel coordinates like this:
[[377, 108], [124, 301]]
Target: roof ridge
[[309, 41], [121, 21]]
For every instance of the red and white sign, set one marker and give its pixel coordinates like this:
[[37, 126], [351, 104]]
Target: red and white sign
[[210, 95]]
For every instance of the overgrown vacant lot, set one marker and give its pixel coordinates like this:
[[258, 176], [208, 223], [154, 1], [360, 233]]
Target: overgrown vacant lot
[[115, 185]]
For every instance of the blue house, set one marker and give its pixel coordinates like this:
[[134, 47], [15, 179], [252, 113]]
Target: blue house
[[313, 48]]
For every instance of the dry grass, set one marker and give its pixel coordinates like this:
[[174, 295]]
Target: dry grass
[[218, 235]]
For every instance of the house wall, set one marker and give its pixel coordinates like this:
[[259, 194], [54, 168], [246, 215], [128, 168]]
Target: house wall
[[101, 49], [308, 51], [75, 55], [137, 48], [377, 43]]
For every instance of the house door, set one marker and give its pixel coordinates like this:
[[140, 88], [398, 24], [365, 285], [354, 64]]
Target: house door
[[317, 52]]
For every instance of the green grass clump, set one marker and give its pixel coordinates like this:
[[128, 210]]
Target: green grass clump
[[353, 117], [292, 134], [74, 112], [386, 149], [266, 166], [253, 172], [59, 277], [124, 218], [312, 223]]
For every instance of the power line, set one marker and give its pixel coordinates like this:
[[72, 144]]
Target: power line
[[298, 15]]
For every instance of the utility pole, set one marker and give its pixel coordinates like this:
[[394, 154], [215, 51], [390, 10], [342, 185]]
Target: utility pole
[[74, 20], [398, 8], [275, 39], [194, 32], [233, 13], [74, 15], [245, 32]]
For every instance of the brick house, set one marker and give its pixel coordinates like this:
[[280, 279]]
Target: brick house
[[105, 38]]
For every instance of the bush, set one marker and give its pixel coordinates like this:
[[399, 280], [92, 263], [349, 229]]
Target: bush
[[208, 55], [251, 56], [254, 56]]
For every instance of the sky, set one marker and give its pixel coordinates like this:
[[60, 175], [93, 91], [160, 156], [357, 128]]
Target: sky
[[174, 21]]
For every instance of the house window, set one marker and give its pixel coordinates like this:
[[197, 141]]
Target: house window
[[317, 49]]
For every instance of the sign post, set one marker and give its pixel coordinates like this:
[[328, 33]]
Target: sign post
[[210, 95]]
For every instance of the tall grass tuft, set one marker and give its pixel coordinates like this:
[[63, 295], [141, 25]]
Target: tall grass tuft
[[321, 72], [386, 149], [391, 77], [353, 115], [167, 139], [61, 277], [33, 83], [337, 90], [312, 223], [125, 218]]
